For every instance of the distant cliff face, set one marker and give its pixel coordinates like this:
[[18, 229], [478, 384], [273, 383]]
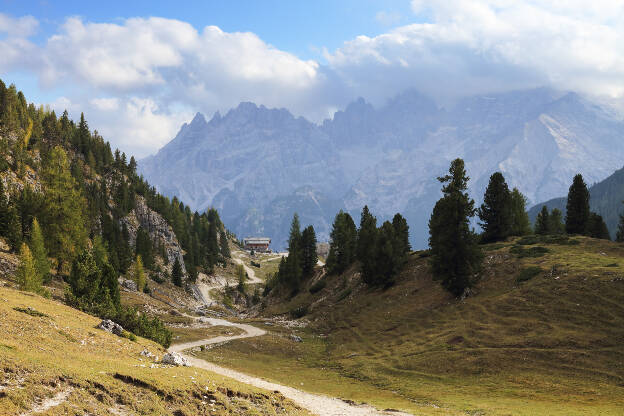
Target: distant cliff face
[[258, 166]]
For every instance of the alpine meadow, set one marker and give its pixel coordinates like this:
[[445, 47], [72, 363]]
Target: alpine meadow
[[390, 208]]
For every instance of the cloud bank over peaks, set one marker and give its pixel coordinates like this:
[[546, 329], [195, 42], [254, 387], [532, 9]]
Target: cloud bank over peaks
[[137, 79]]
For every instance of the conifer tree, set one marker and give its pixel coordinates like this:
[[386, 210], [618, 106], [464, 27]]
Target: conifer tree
[[495, 212], [139, 274], [27, 277], [14, 228], [343, 245], [176, 273], [520, 224], [366, 235], [401, 244], [292, 273], [542, 222], [241, 276], [39, 252], [455, 255], [143, 248], [367, 245], [596, 227], [619, 236], [63, 217], [225, 247], [308, 246], [555, 222], [4, 212], [577, 207]]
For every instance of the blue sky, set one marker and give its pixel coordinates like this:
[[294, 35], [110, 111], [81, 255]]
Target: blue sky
[[300, 27], [139, 69]]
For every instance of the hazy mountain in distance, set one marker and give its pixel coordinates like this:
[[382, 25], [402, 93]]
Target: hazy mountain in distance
[[259, 165], [606, 199]]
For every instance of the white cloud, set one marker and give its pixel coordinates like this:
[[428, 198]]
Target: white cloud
[[22, 27], [491, 45], [105, 104], [15, 48]]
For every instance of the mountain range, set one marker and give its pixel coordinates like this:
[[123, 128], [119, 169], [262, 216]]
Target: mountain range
[[258, 166]]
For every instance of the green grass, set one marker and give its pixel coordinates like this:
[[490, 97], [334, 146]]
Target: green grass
[[181, 335], [528, 273], [553, 345]]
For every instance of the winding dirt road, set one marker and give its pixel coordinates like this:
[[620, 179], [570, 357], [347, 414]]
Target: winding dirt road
[[315, 403]]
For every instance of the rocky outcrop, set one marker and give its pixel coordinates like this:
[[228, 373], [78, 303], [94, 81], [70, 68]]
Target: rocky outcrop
[[110, 326], [128, 284], [157, 228], [173, 358]]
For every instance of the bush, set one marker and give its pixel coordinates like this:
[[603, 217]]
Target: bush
[[141, 325], [147, 290], [318, 286], [255, 264], [529, 240], [157, 278], [536, 251], [129, 335], [343, 294], [299, 312], [528, 274]]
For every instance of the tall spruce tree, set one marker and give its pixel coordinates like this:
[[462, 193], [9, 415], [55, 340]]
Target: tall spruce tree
[[495, 213], [39, 252], [577, 207], [292, 272], [520, 223], [542, 222], [14, 228], [401, 244], [308, 247], [367, 246], [619, 236], [366, 235], [176, 273], [343, 245], [455, 254], [4, 212]]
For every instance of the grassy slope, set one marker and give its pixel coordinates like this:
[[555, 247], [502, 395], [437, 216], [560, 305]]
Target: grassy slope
[[551, 345], [43, 356]]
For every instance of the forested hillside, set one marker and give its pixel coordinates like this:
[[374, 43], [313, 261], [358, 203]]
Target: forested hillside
[[78, 213]]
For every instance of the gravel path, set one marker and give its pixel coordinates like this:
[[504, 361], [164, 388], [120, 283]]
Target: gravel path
[[315, 403]]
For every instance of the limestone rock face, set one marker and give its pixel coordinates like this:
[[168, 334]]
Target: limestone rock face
[[157, 228], [258, 166]]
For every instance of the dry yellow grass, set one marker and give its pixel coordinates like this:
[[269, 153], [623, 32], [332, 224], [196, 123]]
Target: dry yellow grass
[[52, 358]]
